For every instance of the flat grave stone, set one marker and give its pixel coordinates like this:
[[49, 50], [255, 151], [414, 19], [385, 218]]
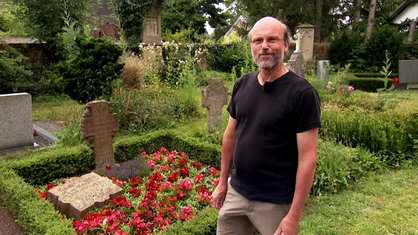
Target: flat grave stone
[[79, 195]]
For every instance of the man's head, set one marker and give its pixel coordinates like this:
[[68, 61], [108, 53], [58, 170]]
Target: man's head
[[269, 39]]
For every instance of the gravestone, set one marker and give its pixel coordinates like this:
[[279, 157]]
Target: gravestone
[[214, 97], [305, 40], [15, 121], [152, 25], [296, 63], [99, 123], [323, 70], [79, 195], [408, 74]]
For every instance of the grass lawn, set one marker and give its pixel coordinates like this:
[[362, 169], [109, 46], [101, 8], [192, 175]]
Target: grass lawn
[[381, 204]]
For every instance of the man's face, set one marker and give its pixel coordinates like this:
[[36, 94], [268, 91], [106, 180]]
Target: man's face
[[268, 46]]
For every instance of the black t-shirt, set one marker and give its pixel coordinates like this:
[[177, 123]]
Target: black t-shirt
[[268, 118]]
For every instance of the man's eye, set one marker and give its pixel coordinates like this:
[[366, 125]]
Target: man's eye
[[272, 40]]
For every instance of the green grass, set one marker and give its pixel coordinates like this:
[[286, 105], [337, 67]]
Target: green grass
[[381, 204]]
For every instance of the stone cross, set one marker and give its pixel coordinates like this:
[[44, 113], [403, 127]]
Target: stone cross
[[214, 97], [98, 125]]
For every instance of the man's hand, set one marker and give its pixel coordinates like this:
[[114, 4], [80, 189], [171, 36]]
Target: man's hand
[[288, 226], [218, 196]]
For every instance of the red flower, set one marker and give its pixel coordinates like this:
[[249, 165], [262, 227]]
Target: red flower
[[108, 168], [396, 80], [41, 194]]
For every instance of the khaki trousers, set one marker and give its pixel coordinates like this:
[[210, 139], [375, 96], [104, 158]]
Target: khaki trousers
[[240, 216]]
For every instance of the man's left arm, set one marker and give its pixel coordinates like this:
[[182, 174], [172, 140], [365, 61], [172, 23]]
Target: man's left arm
[[307, 149]]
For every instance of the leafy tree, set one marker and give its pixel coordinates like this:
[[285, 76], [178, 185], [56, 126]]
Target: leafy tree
[[47, 18], [12, 70], [10, 24], [191, 15]]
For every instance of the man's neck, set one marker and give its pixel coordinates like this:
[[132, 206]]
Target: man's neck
[[272, 74]]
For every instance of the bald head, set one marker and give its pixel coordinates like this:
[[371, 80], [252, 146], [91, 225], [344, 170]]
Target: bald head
[[270, 23]]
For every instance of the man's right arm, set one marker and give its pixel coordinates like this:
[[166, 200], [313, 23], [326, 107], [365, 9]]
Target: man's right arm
[[228, 144]]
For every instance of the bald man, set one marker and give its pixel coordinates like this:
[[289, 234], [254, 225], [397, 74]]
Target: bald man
[[270, 142]]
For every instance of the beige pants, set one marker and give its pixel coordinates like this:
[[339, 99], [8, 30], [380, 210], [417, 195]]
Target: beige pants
[[240, 216]]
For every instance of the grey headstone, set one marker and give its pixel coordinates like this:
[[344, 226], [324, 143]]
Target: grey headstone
[[152, 25], [408, 74], [296, 63], [15, 121], [214, 97], [323, 70], [79, 195]]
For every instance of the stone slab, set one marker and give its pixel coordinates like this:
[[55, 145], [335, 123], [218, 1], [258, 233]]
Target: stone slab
[[79, 195], [15, 121]]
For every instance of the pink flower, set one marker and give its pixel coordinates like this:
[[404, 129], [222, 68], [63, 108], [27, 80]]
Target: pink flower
[[350, 88]]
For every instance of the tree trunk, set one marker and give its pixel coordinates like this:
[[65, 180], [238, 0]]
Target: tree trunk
[[357, 13], [412, 26], [372, 16], [318, 20]]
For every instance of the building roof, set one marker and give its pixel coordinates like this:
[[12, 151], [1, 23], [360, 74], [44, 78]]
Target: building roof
[[407, 10]]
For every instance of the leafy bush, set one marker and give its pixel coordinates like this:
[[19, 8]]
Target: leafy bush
[[235, 57], [140, 110], [13, 72], [367, 84], [90, 74], [343, 46]]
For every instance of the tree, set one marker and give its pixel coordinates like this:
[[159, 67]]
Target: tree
[[191, 15], [371, 20], [46, 19]]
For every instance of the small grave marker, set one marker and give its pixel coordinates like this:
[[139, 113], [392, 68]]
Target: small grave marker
[[79, 195], [214, 97], [296, 63], [98, 125]]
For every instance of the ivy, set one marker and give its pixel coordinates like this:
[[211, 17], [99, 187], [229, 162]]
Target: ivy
[[131, 15]]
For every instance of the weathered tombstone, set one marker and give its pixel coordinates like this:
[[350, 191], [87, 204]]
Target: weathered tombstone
[[408, 74], [152, 25], [98, 125], [305, 40], [15, 121], [323, 70], [296, 63], [214, 97], [79, 195]]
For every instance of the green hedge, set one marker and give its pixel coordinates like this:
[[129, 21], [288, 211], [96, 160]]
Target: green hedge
[[34, 216], [368, 84]]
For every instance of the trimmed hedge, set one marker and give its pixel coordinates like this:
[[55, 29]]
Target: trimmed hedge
[[368, 84], [35, 216]]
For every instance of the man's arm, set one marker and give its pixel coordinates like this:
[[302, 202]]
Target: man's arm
[[228, 144], [307, 148]]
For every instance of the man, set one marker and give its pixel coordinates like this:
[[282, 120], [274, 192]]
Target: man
[[271, 140]]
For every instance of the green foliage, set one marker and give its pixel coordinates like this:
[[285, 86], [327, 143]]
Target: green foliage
[[13, 72], [343, 47], [235, 57], [10, 24], [34, 216], [139, 110], [44, 167], [383, 101], [128, 147], [131, 15], [181, 64], [89, 75], [339, 166], [368, 84], [47, 19], [188, 17]]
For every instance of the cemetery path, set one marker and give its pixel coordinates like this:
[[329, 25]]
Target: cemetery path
[[8, 225]]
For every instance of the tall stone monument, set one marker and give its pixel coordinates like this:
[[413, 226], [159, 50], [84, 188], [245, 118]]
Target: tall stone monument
[[305, 40], [99, 123], [152, 24], [214, 97]]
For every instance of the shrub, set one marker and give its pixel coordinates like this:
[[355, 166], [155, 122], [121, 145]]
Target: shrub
[[90, 74], [343, 46], [133, 73], [13, 73]]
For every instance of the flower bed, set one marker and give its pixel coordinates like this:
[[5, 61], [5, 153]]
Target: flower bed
[[175, 189]]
